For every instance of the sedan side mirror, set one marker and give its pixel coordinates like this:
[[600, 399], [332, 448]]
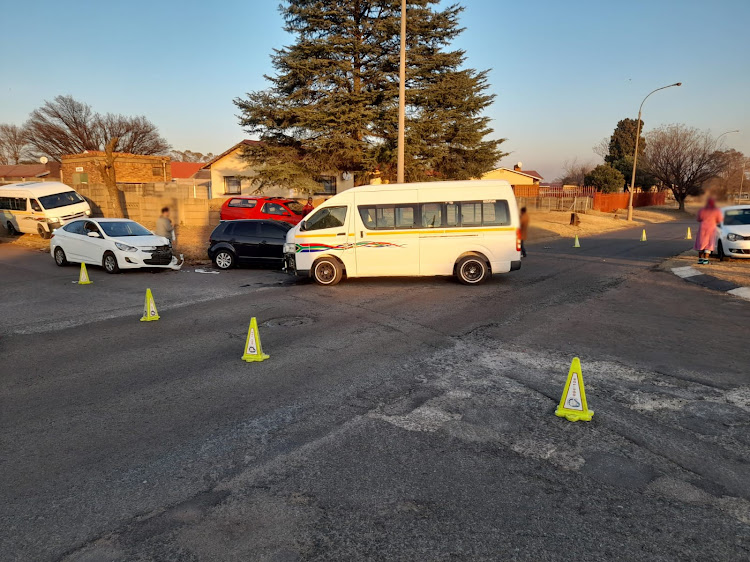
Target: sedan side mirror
[[93, 235]]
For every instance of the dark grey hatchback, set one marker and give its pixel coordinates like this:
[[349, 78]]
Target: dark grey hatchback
[[258, 242]]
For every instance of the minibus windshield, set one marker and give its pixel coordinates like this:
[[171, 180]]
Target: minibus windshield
[[60, 200]]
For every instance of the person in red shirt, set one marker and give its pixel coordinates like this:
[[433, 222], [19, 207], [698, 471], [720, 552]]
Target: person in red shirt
[[309, 207]]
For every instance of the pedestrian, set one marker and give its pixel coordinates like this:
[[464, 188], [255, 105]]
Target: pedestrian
[[524, 228], [164, 226], [309, 207], [709, 217]]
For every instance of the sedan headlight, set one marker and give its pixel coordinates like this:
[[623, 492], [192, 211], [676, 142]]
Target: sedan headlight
[[732, 237], [125, 247], [290, 248]]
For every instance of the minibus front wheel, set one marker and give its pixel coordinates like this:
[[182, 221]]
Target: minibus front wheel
[[327, 271], [472, 269]]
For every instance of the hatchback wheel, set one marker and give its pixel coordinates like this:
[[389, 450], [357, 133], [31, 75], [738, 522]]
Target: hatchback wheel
[[720, 251], [472, 270], [60, 258], [110, 263], [224, 259]]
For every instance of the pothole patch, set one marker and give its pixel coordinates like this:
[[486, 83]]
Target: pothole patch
[[288, 322]]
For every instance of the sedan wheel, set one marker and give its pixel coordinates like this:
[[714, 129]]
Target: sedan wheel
[[60, 258], [224, 259], [110, 263]]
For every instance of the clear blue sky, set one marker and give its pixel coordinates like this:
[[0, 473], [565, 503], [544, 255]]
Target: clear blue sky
[[564, 72]]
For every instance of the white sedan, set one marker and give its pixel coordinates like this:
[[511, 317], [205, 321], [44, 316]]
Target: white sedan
[[114, 244], [733, 236]]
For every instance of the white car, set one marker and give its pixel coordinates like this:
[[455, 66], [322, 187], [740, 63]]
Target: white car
[[114, 244], [733, 236]]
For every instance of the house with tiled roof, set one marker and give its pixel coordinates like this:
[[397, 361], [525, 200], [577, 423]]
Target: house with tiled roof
[[516, 176], [22, 172], [230, 175]]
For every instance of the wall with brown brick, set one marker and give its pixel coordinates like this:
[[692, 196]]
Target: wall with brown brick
[[130, 168]]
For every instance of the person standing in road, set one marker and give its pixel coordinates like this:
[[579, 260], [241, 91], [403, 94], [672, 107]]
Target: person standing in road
[[524, 228], [709, 217], [309, 207], [164, 226]]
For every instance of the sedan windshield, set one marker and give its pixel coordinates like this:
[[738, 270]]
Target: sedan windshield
[[60, 200], [737, 217], [124, 228]]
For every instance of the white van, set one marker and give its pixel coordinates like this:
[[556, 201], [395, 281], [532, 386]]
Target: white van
[[39, 207], [464, 228]]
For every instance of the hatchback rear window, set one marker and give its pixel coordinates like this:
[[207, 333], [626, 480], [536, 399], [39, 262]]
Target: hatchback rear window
[[244, 203]]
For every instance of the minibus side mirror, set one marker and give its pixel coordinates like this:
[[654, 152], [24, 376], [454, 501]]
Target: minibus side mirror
[[303, 226]]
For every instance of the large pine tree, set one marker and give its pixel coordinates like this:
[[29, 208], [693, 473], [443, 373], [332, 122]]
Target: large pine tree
[[333, 101]]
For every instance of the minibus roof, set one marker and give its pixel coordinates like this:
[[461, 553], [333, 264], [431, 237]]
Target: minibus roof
[[37, 188], [464, 184]]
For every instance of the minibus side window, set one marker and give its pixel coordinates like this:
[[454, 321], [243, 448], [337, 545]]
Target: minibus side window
[[385, 217], [4, 203], [451, 214], [471, 213], [496, 213], [405, 216], [432, 215], [35, 205], [328, 217]]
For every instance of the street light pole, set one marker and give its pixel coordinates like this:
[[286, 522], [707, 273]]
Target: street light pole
[[635, 156], [402, 97]]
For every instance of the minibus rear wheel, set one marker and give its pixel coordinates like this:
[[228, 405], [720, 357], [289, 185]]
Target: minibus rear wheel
[[472, 270], [327, 271]]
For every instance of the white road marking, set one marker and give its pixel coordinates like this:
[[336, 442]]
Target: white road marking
[[684, 272], [742, 292]]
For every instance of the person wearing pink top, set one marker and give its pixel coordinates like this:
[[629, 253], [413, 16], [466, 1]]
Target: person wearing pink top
[[710, 218]]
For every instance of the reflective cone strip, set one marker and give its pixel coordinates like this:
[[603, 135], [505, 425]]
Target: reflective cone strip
[[83, 278], [149, 308], [253, 349]]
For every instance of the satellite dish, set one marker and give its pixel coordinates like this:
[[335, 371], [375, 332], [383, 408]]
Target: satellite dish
[[44, 160]]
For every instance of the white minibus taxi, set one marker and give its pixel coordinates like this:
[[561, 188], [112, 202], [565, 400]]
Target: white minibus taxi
[[39, 207], [464, 228]]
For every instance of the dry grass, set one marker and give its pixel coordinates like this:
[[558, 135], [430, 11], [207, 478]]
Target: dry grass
[[545, 225]]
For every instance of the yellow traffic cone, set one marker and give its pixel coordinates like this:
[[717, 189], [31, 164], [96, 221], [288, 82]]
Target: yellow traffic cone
[[576, 244], [573, 406], [643, 236], [689, 235], [83, 278], [149, 308], [253, 349]]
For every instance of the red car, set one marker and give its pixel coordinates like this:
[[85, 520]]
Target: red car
[[266, 208]]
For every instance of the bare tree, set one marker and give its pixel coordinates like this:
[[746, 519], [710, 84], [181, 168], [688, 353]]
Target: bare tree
[[601, 148], [683, 158], [109, 175], [730, 179], [574, 172], [67, 126], [14, 144]]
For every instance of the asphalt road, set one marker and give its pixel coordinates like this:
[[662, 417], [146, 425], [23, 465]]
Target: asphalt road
[[398, 419]]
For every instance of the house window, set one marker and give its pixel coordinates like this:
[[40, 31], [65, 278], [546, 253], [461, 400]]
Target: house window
[[328, 185], [232, 185], [156, 170], [79, 177]]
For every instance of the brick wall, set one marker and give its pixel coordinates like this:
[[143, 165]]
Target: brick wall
[[130, 168]]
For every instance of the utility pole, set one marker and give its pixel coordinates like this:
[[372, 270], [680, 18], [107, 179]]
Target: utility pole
[[402, 97]]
